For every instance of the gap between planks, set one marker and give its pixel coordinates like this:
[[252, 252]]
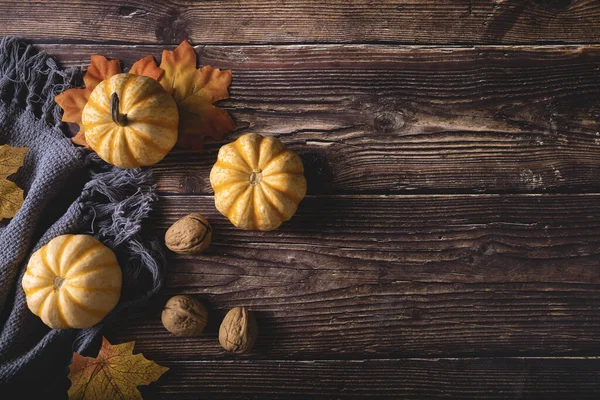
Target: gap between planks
[[395, 46], [408, 195], [363, 360]]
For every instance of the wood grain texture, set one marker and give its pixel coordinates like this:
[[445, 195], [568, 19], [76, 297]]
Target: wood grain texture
[[357, 285], [479, 378], [276, 21], [394, 276], [385, 119]]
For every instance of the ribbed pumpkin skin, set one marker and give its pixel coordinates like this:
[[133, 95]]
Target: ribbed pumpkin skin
[[74, 281], [258, 183], [152, 120]]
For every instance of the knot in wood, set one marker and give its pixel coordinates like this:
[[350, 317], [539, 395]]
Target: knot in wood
[[388, 122]]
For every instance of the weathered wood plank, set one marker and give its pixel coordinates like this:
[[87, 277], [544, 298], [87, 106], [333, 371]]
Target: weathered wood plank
[[275, 21], [478, 378], [370, 119], [395, 276]]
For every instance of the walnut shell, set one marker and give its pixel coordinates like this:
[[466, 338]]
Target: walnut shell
[[238, 331], [189, 235], [184, 316]]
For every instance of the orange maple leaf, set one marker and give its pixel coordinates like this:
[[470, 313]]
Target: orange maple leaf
[[72, 101], [114, 374], [100, 68], [147, 67], [195, 91]]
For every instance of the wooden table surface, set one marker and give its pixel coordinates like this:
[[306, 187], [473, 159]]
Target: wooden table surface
[[449, 244]]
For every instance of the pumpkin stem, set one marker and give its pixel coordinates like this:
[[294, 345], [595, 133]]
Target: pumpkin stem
[[117, 117], [255, 177], [58, 282]]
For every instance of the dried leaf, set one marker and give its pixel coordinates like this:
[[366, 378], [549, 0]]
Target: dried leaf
[[100, 68], [72, 101], [80, 140], [114, 374], [195, 91], [11, 196], [147, 67]]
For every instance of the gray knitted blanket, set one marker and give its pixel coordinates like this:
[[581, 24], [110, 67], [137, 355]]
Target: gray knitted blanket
[[66, 191]]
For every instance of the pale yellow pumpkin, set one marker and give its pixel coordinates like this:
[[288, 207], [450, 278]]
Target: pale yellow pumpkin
[[130, 121], [74, 281], [258, 183]]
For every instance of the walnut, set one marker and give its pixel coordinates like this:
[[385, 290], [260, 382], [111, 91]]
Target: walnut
[[189, 235], [238, 331], [184, 316]]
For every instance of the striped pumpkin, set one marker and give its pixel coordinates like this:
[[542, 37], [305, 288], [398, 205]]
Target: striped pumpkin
[[130, 121], [258, 183], [74, 281]]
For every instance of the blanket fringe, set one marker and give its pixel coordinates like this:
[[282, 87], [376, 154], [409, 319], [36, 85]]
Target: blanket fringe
[[117, 201], [30, 79]]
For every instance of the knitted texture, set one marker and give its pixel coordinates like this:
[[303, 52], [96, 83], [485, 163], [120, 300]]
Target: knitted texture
[[66, 191]]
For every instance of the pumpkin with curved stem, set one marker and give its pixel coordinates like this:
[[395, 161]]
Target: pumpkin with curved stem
[[74, 281], [130, 121], [258, 183]]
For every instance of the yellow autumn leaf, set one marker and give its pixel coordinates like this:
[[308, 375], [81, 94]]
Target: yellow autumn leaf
[[195, 90], [11, 196], [114, 374]]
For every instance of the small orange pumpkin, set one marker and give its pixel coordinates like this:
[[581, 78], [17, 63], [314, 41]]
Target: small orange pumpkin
[[258, 183], [130, 121], [74, 281]]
